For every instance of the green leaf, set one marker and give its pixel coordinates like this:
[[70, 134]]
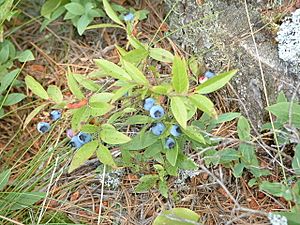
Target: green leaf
[[36, 87], [180, 79], [204, 104], [296, 160], [13, 98], [281, 97], [55, 94], [238, 169], [4, 177], [226, 117], [215, 83], [103, 25], [273, 188], [161, 55], [86, 83], [79, 115], [49, 7], [193, 132], [138, 119], [7, 79], [83, 154], [141, 141], [112, 69], [282, 111], [111, 13], [101, 97], [153, 150], [186, 163], [135, 73], [226, 156], [179, 110], [105, 156], [248, 154], [89, 128], [163, 188], [33, 114], [20, 200], [25, 56], [136, 55], [99, 108], [146, 183], [243, 129], [82, 24], [110, 135], [292, 217], [172, 154], [74, 87], [177, 216], [75, 8]]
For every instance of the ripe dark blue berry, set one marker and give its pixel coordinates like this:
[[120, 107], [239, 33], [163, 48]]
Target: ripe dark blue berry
[[158, 129], [43, 127], [75, 142], [84, 138], [157, 112], [55, 115], [149, 103], [170, 143], [209, 74], [175, 130], [128, 17]]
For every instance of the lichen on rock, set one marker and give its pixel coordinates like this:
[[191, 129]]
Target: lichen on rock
[[288, 38]]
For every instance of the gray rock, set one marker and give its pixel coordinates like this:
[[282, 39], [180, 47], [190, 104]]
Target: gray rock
[[218, 31]]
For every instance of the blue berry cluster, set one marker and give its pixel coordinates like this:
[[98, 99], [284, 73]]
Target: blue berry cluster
[[80, 139], [157, 112], [44, 127]]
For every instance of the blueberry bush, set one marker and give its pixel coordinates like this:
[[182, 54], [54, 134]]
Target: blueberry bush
[[150, 117]]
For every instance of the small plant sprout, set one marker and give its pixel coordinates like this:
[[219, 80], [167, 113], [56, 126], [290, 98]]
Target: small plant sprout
[[158, 129], [43, 127], [55, 115], [170, 143], [149, 103], [175, 130], [128, 17], [84, 138], [157, 112], [75, 142]]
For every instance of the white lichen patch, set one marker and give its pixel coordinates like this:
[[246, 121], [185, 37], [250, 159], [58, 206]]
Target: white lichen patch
[[276, 219], [288, 38], [183, 175], [112, 179]]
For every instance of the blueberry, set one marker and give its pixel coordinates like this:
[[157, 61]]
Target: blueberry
[[148, 104], [158, 129], [157, 112], [75, 142], [55, 115], [175, 130], [128, 17], [43, 127], [170, 143], [209, 74], [84, 137]]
